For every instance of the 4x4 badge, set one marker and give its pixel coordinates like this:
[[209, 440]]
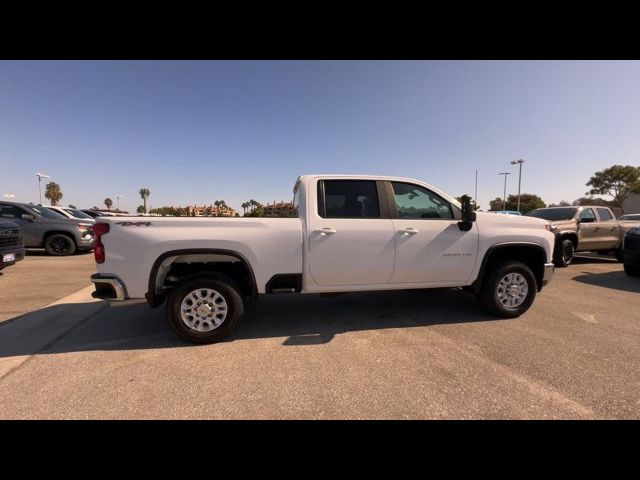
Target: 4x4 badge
[[133, 224]]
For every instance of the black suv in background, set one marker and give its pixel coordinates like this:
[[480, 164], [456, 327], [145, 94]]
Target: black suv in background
[[42, 228], [631, 252], [11, 247]]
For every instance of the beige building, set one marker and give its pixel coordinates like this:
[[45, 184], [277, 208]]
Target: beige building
[[210, 211], [279, 209]]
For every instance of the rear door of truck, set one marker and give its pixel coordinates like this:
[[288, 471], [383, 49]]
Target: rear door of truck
[[608, 232], [351, 237]]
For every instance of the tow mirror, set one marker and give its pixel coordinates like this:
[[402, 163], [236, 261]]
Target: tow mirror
[[28, 217], [468, 215]]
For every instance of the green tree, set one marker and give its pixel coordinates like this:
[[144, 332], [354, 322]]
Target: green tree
[[528, 201], [108, 202], [563, 203], [617, 181], [140, 209], [144, 195], [593, 201], [53, 193]]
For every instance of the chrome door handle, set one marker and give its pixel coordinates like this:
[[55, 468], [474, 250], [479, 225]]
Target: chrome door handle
[[409, 231], [326, 231]]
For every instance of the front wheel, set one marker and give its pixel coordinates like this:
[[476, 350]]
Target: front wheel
[[60, 245], [204, 308], [508, 290], [564, 254]]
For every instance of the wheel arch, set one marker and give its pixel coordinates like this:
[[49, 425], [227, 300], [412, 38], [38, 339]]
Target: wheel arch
[[531, 254], [161, 267], [573, 236]]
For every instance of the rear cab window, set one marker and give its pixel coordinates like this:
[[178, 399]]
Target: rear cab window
[[348, 199], [604, 214]]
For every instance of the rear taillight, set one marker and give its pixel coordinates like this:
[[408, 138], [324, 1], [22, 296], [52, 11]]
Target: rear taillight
[[98, 248]]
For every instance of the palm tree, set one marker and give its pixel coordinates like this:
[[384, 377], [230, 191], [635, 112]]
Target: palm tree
[[244, 206], [140, 209], [144, 194], [53, 193], [108, 202]]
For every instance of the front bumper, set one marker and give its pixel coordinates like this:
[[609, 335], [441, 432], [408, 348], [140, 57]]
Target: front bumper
[[108, 287], [17, 251], [547, 274]]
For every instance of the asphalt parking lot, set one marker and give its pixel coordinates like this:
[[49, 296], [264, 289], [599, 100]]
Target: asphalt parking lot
[[401, 355]]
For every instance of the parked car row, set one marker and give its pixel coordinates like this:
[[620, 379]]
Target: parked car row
[[42, 227]]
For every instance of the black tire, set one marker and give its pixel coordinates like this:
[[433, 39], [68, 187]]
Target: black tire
[[488, 294], [564, 253], [225, 287], [631, 270], [60, 245]]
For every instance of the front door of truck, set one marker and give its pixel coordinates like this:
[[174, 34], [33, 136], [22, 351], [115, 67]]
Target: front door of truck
[[351, 237], [587, 230], [430, 247]]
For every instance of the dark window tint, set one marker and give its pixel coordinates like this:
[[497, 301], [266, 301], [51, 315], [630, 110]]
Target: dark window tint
[[588, 215], [10, 211], [605, 216], [553, 214], [350, 199], [415, 202]]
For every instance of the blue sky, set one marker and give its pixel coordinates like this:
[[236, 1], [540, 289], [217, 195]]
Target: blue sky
[[195, 132]]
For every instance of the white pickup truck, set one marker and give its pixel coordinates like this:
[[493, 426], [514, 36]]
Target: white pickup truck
[[354, 233]]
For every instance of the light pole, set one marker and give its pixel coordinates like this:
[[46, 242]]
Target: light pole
[[516, 162], [118, 197], [504, 196], [475, 198], [40, 177]]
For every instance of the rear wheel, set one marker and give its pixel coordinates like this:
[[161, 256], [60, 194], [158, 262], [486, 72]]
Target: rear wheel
[[564, 253], [508, 290], [631, 270], [204, 308], [59, 245]]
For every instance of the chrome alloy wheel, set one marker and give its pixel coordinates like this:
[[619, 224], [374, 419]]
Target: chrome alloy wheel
[[512, 290], [203, 310]]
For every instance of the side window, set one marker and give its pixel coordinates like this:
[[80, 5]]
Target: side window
[[587, 215], [605, 216], [10, 211], [415, 202], [349, 199]]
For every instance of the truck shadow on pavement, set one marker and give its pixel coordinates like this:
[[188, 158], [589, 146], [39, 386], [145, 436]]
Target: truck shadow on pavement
[[300, 319], [615, 280]]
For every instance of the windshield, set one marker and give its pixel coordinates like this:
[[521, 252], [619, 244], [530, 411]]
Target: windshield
[[553, 214], [45, 212], [632, 218], [77, 213]]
